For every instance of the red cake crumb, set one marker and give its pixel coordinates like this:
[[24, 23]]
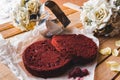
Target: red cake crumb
[[81, 47], [42, 59], [79, 78], [85, 72], [77, 72]]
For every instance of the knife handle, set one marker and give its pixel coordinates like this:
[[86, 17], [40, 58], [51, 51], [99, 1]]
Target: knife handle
[[58, 12]]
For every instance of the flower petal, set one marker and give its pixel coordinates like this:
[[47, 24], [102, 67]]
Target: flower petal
[[114, 66], [117, 43], [115, 52], [105, 51]]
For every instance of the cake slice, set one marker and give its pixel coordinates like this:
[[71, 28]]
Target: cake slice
[[43, 60], [82, 48]]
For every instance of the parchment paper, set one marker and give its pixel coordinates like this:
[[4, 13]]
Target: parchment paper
[[6, 7], [16, 45]]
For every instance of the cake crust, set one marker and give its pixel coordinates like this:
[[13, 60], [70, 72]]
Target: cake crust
[[42, 59], [81, 47], [53, 57]]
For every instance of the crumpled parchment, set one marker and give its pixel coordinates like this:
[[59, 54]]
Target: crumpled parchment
[[6, 7], [20, 42]]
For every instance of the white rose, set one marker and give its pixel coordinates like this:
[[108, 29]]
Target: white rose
[[88, 24], [102, 13], [98, 15], [21, 17]]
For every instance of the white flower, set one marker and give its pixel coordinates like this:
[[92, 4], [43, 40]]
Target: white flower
[[106, 51], [117, 43], [87, 22], [33, 6], [22, 14], [95, 14], [115, 52], [102, 15], [114, 66], [21, 17]]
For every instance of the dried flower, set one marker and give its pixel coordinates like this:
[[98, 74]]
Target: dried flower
[[117, 3], [25, 14], [115, 52], [114, 66], [117, 43], [101, 17], [95, 14], [106, 51]]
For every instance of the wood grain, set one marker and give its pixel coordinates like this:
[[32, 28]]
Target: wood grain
[[10, 32], [5, 26], [118, 76], [103, 71], [102, 59], [6, 74], [60, 2], [110, 42]]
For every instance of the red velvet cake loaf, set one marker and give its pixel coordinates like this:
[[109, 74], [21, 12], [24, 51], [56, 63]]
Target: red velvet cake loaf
[[81, 47], [42, 59]]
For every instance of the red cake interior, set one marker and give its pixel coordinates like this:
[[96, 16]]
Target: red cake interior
[[79, 46], [50, 58], [41, 56]]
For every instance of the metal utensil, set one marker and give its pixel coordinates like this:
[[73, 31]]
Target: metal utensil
[[52, 27]]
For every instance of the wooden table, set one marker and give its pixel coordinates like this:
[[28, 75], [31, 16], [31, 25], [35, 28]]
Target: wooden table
[[102, 71]]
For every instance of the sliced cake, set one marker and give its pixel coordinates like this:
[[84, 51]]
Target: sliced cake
[[82, 48], [42, 59]]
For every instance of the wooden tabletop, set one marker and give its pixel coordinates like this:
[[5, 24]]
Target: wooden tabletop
[[102, 71]]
